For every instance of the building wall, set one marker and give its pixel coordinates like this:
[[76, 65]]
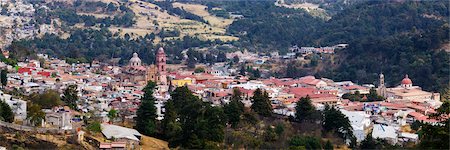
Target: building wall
[[181, 82]]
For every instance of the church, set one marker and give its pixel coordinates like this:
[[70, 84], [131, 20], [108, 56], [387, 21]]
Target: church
[[136, 72], [407, 92]]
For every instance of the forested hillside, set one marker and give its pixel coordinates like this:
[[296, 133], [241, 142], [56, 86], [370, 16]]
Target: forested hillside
[[393, 37]]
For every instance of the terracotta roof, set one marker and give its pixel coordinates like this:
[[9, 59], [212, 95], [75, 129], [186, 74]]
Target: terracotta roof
[[406, 80], [418, 116]]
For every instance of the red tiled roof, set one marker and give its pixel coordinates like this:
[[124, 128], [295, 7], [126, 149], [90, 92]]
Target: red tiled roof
[[44, 73], [418, 116], [301, 91], [23, 70]]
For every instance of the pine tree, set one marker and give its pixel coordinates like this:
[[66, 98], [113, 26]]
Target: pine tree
[[6, 113], [191, 123], [4, 77], [171, 128], [242, 70], [70, 96], [261, 103], [235, 108], [336, 122], [369, 143], [146, 114], [304, 109]]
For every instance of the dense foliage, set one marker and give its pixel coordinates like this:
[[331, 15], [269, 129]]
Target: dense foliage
[[436, 136], [337, 123], [305, 111], [298, 142], [146, 114], [6, 113], [261, 103], [192, 123], [401, 36], [89, 44], [4, 77], [46, 100], [35, 114], [68, 14], [235, 108], [70, 96]]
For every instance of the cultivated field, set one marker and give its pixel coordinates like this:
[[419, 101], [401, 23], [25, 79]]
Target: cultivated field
[[150, 18]]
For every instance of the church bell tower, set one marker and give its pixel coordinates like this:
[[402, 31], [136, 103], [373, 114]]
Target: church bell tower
[[381, 87]]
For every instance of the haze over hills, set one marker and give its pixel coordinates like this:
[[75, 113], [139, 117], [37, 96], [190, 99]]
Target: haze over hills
[[393, 34]]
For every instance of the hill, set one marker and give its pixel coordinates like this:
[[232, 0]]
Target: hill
[[393, 37]]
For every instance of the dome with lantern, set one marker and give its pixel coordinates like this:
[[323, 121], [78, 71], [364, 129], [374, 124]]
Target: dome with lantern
[[135, 60], [406, 82]]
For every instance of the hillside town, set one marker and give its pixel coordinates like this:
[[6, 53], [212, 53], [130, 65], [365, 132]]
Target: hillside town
[[102, 88], [272, 74]]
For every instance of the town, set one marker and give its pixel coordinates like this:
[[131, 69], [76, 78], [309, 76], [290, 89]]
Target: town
[[273, 74], [103, 89]]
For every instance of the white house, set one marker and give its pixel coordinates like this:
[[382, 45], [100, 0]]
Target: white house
[[249, 85], [18, 106], [385, 132], [59, 117], [360, 122]]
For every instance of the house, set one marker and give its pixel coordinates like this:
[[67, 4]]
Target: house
[[59, 117], [130, 137], [408, 137], [388, 133], [18, 106], [113, 145], [360, 122]]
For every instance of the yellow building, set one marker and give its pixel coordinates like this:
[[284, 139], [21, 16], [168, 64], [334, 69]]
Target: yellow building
[[182, 82]]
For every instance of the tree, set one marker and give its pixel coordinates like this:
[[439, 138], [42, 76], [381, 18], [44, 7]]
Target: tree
[[35, 114], [111, 7], [191, 62], [70, 96], [191, 123], [436, 136], [146, 113], [373, 96], [46, 100], [369, 143], [235, 108], [242, 70], [171, 127], [4, 77], [199, 70], [336, 122], [94, 127], [328, 146], [256, 73], [304, 109], [291, 71], [261, 103], [6, 113], [221, 57], [307, 142], [112, 114]]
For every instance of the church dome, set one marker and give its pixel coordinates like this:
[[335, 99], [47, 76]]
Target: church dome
[[406, 80], [135, 60]]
